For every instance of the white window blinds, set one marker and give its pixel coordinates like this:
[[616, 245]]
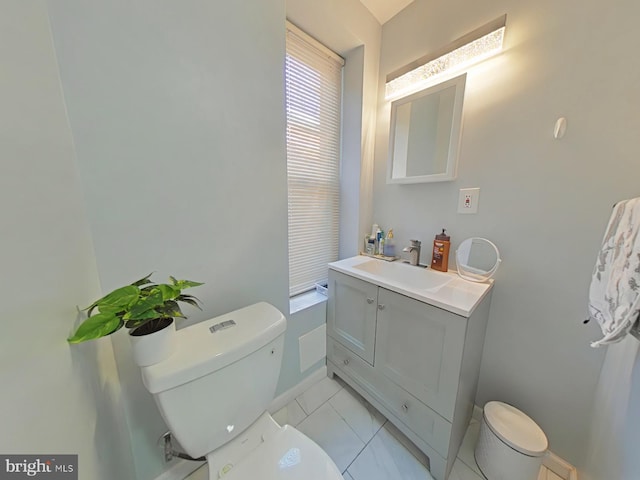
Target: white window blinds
[[313, 78]]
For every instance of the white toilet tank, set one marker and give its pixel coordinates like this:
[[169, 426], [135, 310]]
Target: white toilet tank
[[222, 377]]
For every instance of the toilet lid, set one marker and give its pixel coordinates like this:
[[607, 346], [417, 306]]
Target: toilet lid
[[288, 454], [515, 429]]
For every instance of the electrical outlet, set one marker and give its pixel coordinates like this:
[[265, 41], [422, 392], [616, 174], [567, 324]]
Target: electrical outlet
[[468, 200]]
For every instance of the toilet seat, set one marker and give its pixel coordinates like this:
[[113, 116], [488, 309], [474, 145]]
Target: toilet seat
[[268, 451], [288, 454]]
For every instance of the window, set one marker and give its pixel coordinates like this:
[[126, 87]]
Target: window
[[313, 82]]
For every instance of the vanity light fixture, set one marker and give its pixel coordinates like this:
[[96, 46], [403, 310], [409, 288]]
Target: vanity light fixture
[[478, 45]]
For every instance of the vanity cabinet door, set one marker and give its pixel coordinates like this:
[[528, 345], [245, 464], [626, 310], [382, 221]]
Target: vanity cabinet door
[[419, 347], [351, 314]]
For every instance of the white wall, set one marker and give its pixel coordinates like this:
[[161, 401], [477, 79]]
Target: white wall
[[177, 114], [614, 436], [544, 202], [56, 398]]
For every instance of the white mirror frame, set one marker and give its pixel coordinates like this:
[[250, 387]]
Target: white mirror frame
[[467, 272], [454, 138]]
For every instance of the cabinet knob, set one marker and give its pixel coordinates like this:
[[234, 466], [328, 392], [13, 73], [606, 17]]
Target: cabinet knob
[[381, 306], [369, 300], [346, 361], [405, 407]]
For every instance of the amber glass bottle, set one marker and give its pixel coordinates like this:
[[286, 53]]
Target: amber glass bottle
[[440, 259]]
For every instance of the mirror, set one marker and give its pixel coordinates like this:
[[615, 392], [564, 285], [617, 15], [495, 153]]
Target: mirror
[[477, 259], [425, 134]]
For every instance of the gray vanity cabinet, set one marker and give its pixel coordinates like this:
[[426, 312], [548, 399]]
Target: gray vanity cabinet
[[416, 363]]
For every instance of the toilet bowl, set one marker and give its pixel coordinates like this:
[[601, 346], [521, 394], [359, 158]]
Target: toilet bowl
[[213, 393]]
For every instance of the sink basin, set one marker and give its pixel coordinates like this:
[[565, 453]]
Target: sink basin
[[445, 290], [416, 278]]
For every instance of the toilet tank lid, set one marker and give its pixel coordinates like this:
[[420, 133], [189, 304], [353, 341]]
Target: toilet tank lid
[[213, 344], [515, 428]]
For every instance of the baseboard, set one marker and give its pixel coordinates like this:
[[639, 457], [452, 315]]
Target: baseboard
[[477, 413], [180, 470], [286, 397], [559, 466]]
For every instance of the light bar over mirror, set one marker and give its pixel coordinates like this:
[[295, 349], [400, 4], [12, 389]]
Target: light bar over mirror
[[472, 48]]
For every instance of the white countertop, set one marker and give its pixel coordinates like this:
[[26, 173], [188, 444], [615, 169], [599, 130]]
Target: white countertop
[[445, 290]]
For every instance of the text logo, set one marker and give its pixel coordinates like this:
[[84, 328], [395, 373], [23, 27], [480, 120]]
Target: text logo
[[41, 467]]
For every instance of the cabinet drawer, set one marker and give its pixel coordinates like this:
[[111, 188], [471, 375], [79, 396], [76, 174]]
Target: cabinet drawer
[[426, 423], [350, 363], [423, 421]]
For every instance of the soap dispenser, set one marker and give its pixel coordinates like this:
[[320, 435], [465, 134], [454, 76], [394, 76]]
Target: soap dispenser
[[440, 259], [389, 245]]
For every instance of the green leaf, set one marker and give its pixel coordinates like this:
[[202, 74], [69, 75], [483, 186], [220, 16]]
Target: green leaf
[[184, 295], [120, 297], [94, 327], [190, 300], [182, 284], [143, 307], [145, 315], [170, 309], [109, 309], [150, 290], [168, 292], [143, 281]]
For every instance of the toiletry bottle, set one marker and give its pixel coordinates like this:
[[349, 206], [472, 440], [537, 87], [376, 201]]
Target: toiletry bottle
[[389, 245], [374, 238], [378, 237], [440, 259], [371, 245], [382, 245]]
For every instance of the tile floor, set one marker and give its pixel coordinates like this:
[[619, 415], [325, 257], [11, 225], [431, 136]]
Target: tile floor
[[362, 443]]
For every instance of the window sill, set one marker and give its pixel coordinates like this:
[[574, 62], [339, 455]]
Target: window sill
[[305, 300]]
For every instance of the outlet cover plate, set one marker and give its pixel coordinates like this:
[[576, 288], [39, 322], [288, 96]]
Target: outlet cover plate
[[468, 200]]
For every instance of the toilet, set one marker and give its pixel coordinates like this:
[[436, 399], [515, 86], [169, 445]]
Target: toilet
[[214, 391]]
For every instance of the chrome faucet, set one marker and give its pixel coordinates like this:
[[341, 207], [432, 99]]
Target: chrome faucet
[[414, 252]]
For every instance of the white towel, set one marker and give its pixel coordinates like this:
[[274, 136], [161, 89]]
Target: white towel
[[614, 295]]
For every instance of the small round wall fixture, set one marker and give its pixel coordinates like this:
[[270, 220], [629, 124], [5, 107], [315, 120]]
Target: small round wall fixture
[[477, 259], [560, 128]]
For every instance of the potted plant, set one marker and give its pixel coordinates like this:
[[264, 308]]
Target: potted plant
[[147, 309]]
